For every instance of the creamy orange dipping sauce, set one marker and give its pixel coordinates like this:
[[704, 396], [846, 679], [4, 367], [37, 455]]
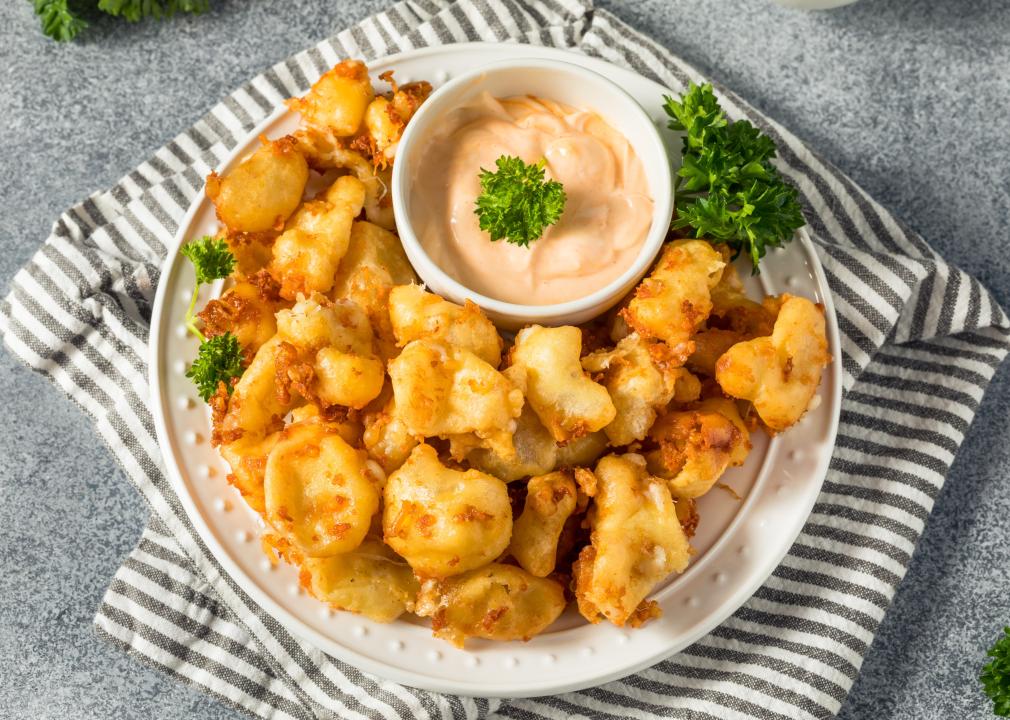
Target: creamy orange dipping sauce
[[607, 213]]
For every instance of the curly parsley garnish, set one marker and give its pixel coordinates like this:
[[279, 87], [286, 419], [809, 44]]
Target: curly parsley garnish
[[727, 189], [996, 675], [134, 10], [62, 20], [59, 20], [219, 358], [516, 204], [211, 257]]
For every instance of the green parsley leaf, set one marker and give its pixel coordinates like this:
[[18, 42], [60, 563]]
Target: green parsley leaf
[[211, 257], [134, 10], [749, 219], [995, 676], [219, 360], [58, 19], [515, 203], [697, 113], [61, 19], [727, 189]]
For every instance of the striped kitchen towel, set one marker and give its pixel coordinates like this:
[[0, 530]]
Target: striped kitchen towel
[[920, 342]]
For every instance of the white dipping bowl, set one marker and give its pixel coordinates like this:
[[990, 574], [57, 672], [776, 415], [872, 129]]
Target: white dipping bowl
[[568, 84]]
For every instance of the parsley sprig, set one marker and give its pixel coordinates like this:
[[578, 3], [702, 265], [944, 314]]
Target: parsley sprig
[[727, 188], [218, 361], [59, 20], [220, 357], [516, 204], [996, 675], [63, 20], [134, 10]]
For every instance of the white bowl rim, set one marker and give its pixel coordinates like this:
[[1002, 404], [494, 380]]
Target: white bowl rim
[[662, 198]]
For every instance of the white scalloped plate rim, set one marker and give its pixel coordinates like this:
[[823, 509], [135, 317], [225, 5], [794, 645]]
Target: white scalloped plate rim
[[783, 479]]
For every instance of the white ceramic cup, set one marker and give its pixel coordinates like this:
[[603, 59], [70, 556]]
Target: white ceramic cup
[[568, 84]]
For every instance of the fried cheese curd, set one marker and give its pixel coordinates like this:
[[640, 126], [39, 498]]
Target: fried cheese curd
[[636, 542], [372, 266], [545, 362], [408, 457], [641, 380], [695, 446], [347, 127], [320, 492], [416, 314], [779, 373], [533, 451], [386, 437], [734, 318], [550, 501], [448, 392], [263, 190], [674, 301], [307, 254], [370, 580], [445, 521], [495, 602], [246, 310], [327, 353]]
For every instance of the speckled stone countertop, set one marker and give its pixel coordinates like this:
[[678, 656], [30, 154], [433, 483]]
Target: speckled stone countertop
[[910, 98]]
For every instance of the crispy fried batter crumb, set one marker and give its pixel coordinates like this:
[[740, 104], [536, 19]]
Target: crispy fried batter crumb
[[646, 611]]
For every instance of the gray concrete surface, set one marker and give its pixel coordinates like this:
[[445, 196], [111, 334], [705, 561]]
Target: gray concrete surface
[[912, 99]]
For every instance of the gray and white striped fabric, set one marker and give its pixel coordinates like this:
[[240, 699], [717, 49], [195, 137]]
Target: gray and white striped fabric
[[920, 342]]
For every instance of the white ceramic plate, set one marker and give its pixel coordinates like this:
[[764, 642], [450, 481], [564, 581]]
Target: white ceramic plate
[[739, 542]]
